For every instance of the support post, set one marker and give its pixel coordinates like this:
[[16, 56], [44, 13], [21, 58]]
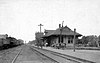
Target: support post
[[61, 29], [74, 40]]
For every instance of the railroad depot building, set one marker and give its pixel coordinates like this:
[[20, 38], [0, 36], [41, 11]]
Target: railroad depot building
[[60, 35]]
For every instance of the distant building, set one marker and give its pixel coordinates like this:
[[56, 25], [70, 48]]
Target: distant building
[[60, 35]]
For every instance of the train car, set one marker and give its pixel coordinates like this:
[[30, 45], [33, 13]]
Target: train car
[[2, 38], [16, 43], [1, 44], [20, 42], [9, 42], [6, 43]]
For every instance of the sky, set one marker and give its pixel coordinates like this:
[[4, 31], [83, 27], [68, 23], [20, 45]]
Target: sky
[[20, 18]]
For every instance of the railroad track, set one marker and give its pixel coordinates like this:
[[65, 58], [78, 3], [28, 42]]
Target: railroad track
[[39, 53], [13, 61], [6, 51], [64, 56], [41, 57], [16, 56], [42, 54], [6, 56]]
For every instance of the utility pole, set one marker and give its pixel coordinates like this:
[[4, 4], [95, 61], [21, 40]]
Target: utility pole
[[40, 27], [74, 40]]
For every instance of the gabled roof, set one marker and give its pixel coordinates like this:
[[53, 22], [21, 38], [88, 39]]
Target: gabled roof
[[65, 31], [48, 32]]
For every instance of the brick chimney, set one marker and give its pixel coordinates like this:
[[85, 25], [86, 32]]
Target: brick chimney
[[59, 25]]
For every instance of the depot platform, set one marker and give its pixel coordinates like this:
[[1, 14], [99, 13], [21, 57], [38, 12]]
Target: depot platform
[[91, 55]]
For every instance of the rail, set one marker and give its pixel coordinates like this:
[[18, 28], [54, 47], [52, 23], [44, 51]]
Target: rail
[[67, 57], [45, 55], [13, 61]]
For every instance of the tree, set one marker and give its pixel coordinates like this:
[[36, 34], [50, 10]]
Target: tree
[[85, 40], [93, 41], [99, 40]]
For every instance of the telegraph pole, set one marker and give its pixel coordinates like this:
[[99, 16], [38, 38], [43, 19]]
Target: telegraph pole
[[40, 27], [74, 40], [39, 39]]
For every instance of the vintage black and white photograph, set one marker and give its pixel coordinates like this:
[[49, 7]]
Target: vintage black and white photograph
[[49, 31]]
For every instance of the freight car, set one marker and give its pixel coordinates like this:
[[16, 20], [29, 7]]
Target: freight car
[[1, 44], [6, 43], [9, 42]]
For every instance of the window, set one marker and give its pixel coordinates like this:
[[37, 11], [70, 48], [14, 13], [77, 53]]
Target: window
[[70, 40]]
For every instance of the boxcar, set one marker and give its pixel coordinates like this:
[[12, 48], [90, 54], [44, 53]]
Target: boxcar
[[1, 42], [6, 43]]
